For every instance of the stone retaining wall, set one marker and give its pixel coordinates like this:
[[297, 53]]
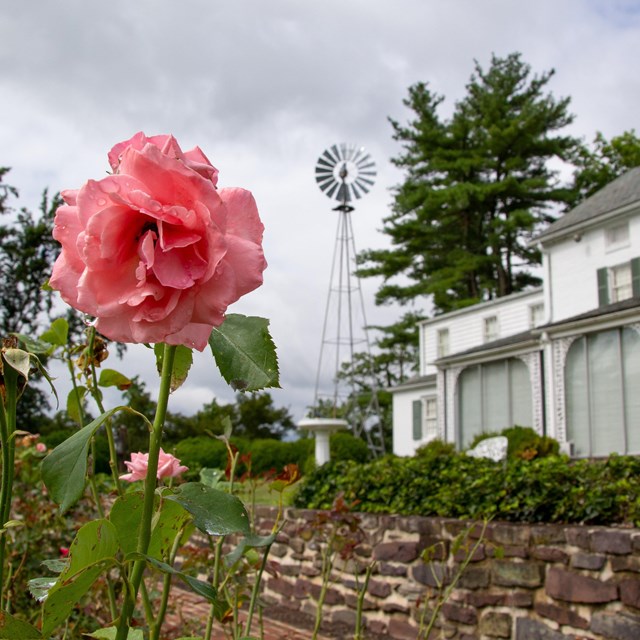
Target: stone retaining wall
[[527, 582]]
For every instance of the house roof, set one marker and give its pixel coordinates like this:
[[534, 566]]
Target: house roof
[[416, 381], [532, 335], [599, 312], [619, 193], [510, 341]]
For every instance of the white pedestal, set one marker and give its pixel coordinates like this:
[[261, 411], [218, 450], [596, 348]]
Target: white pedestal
[[322, 428]]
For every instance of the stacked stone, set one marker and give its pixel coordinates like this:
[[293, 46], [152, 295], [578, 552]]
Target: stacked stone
[[526, 582]]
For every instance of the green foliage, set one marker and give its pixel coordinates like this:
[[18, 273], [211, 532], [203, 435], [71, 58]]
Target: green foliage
[[524, 443], [346, 446], [199, 452], [544, 489], [602, 162], [476, 188], [245, 353]]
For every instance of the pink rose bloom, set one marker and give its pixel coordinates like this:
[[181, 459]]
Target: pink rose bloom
[[41, 447], [156, 252], [168, 466]]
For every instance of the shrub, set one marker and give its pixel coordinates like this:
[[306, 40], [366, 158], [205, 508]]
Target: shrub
[[346, 446], [546, 489], [201, 451], [524, 442]]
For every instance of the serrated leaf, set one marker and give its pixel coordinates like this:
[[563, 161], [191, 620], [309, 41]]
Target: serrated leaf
[[19, 360], [113, 378], [65, 468], [15, 629], [32, 345], [64, 596], [126, 515], [57, 334], [245, 353], [91, 553], [182, 362], [39, 587], [214, 512]]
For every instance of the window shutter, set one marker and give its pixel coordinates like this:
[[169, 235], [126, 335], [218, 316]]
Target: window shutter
[[417, 419], [603, 287], [635, 277]]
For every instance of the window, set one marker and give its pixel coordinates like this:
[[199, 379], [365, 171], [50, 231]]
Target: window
[[616, 237], [443, 343], [619, 282], [602, 375], [491, 328], [425, 418], [492, 397], [536, 315], [430, 417]]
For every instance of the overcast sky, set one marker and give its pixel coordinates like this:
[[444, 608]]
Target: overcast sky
[[263, 87]]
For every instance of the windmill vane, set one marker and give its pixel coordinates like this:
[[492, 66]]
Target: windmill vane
[[345, 172]]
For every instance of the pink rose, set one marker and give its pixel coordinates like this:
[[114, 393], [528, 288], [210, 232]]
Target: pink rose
[[168, 466], [156, 252], [41, 447]]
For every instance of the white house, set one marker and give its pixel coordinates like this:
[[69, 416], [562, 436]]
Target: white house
[[563, 359]]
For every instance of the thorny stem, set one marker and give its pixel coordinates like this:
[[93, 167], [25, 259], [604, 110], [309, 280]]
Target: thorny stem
[[8, 444], [327, 565], [361, 595], [144, 535]]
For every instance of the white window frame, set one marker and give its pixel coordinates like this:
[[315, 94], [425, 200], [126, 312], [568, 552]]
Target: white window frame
[[430, 404], [617, 237], [620, 282], [536, 314], [490, 328], [443, 345]]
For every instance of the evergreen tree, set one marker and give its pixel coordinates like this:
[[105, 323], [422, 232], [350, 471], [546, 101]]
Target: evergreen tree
[[604, 161], [477, 187]]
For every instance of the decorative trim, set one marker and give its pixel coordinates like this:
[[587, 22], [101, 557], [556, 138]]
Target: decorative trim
[[531, 360], [560, 349]]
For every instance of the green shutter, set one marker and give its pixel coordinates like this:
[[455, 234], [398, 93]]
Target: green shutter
[[603, 287], [417, 419], [635, 277]]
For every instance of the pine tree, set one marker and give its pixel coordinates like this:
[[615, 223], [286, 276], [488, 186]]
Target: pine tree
[[477, 188]]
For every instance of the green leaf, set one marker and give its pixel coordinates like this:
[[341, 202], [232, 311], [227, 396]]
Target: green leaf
[[214, 512], [126, 515], [250, 541], [245, 353], [211, 477], [14, 629], [74, 404], [112, 378], [19, 360], [56, 565], [203, 589], [65, 468], [109, 633], [32, 345], [57, 334], [182, 362], [92, 553], [39, 587]]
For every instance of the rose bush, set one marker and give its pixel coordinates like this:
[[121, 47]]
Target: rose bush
[[168, 466], [156, 252]]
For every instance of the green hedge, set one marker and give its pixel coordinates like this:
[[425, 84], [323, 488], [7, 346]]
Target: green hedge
[[449, 484]]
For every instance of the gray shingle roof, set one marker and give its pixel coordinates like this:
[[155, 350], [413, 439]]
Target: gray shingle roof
[[619, 193]]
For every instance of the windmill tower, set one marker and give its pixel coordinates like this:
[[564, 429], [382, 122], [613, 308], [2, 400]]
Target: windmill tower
[[346, 173]]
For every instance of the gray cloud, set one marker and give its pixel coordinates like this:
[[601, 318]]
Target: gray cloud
[[263, 88]]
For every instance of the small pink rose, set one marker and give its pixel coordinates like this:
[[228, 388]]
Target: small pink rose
[[168, 466], [41, 447], [156, 252]]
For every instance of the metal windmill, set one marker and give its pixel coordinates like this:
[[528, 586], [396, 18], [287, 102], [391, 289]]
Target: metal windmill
[[345, 173]]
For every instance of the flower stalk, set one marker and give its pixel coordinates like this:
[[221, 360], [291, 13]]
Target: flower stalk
[[144, 535]]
